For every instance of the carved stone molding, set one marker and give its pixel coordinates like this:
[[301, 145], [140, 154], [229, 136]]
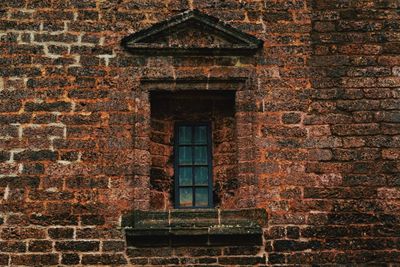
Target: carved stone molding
[[191, 33]]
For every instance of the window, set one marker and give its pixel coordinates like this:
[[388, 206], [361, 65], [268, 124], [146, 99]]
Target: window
[[192, 168], [200, 124]]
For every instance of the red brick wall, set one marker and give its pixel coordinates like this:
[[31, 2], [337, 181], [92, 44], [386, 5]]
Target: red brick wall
[[321, 124]]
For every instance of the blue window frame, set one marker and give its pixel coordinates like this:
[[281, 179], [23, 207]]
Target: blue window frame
[[193, 165]]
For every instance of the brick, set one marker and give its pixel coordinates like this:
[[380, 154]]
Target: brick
[[33, 168], [275, 258], [64, 38], [241, 251], [83, 4], [103, 259], [61, 233], [78, 119], [20, 233], [291, 118], [391, 117], [86, 72], [87, 94], [114, 246], [74, 144], [59, 219], [46, 195], [41, 259], [54, 106], [92, 220], [140, 261], [36, 155], [40, 246], [70, 156], [337, 193], [12, 246], [311, 258], [70, 259], [355, 129], [163, 252], [292, 245], [163, 261], [78, 182], [277, 16], [10, 106], [4, 156], [241, 260], [83, 246]]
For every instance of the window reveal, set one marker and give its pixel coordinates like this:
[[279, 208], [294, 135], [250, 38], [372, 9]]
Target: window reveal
[[193, 165], [192, 108]]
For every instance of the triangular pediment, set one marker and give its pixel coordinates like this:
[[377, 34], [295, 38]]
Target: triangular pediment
[[191, 32]]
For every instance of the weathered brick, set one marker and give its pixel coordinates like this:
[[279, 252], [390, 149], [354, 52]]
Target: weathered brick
[[79, 182], [40, 246], [40, 155], [291, 118], [311, 135], [40, 259], [83, 246], [54, 106], [61, 233], [59, 219], [70, 259], [20, 233], [103, 259], [12, 246], [241, 260], [355, 129], [46, 195], [292, 245], [92, 220], [20, 182], [114, 246], [164, 261]]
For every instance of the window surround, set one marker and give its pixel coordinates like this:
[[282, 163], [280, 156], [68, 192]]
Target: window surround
[[245, 97]]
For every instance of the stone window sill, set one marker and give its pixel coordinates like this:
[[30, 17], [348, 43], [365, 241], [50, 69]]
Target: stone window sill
[[195, 227]]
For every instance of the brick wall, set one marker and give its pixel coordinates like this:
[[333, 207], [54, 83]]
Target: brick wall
[[323, 117]]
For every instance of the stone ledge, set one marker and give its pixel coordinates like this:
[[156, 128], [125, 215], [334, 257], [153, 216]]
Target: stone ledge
[[198, 227]]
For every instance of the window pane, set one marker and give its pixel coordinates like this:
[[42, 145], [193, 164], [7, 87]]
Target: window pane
[[200, 135], [200, 155], [201, 175], [185, 176], [201, 197], [185, 155], [185, 197], [185, 135]]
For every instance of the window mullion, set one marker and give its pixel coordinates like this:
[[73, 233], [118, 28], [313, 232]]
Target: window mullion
[[193, 160]]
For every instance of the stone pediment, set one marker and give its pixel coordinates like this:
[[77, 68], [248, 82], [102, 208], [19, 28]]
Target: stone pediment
[[191, 33]]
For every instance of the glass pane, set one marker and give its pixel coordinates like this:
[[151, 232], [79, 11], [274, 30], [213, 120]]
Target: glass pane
[[185, 197], [200, 155], [185, 135], [185, 155], [185, 176], [201, 175], [201, 197], [200, 135]]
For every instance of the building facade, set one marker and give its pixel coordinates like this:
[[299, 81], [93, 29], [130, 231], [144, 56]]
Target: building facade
[[201, 133]]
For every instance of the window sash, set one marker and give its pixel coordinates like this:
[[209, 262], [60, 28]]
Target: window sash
[[188, 141]]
